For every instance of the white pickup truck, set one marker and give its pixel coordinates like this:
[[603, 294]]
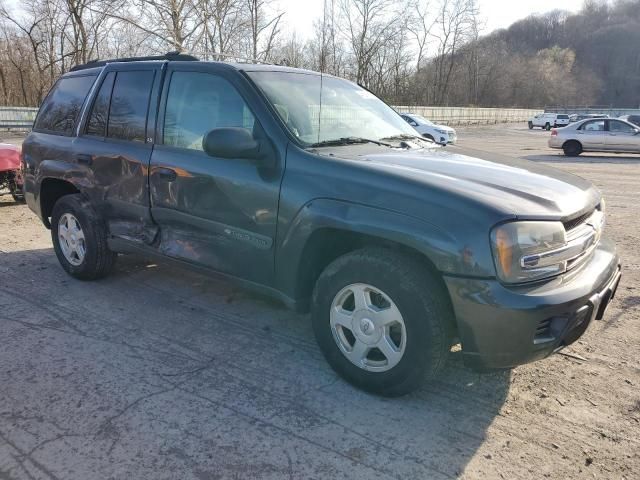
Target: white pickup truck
[[549, 120]]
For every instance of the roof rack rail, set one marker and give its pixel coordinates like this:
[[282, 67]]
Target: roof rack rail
[[175, 56], [230, 57]]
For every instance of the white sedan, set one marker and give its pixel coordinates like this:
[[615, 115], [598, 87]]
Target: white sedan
[[596, 135], [438, 133]]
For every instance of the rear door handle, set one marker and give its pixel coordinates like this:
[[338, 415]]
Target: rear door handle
[[167, 174], [84, 158]]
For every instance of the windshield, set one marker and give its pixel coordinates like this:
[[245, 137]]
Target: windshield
[[422, 120], [320, 109]]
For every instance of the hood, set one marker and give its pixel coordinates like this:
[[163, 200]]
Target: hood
[[515, 187]]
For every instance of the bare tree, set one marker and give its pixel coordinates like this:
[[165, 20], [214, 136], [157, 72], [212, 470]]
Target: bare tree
[[224, 25], [264, 28], [172, 23], [412, 51], [368, 25], [419, 25], [454, 26]]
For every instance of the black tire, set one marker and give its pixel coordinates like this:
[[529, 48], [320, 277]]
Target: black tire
[[423, 304], [530, 125], [98, 259], [572, 148], [547, 126]]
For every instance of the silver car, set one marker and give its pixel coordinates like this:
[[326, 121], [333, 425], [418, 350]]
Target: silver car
[[596, 135]]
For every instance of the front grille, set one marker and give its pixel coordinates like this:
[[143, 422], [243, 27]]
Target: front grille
[[584, 231], [575, 222]]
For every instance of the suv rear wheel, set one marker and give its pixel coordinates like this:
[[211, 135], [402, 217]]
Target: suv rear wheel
[[381, 321], [80, 239], [547, 126]]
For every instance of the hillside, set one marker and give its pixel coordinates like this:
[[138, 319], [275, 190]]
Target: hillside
[[592, 57]]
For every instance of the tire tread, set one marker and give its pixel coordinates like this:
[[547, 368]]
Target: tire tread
[[414, 277]]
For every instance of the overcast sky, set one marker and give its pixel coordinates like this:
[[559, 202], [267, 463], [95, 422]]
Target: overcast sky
[[300, 14]]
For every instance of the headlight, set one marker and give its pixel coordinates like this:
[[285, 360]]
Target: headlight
[[527, 251], [443, 132]]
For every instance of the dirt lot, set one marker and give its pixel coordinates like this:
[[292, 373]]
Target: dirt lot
[[162, 373]]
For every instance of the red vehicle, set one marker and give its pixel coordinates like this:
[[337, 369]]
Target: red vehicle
[[10, 176]]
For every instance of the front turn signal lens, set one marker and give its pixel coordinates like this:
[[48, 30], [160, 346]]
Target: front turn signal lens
[[504, 250]]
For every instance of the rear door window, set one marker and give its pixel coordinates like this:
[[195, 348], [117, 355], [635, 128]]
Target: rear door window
[[97, 124], [593, 126], [60, 110], [130, 105]]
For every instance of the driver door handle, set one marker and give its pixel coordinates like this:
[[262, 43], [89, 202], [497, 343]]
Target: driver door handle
[[167, 174]]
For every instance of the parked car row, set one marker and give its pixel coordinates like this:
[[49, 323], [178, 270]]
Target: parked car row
[[634, 119], [597, 135], [576, 117], [549, 120]]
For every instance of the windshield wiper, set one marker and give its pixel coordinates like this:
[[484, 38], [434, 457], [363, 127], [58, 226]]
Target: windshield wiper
[[348, 141], [406, 136]]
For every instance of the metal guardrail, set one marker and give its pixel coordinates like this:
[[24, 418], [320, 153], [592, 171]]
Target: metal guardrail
[[21, 118], [470, 115], [591, 109], [17, 118]]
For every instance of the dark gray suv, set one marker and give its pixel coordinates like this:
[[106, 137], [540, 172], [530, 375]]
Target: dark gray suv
[[309, 188]]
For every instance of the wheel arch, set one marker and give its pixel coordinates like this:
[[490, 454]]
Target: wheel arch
[[572, 140], [51, 190], [325, 230]]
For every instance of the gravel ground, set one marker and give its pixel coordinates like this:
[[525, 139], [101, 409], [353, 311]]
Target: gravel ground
[[161, 373]]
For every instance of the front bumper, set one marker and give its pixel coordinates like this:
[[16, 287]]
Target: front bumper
[[501, 327]]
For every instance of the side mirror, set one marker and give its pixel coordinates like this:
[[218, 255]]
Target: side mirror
[[231, 142]]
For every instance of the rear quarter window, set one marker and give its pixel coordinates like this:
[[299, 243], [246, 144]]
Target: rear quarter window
[[59, 112]]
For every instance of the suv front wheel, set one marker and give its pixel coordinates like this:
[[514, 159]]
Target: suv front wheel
[[381, 321], [80, 239]]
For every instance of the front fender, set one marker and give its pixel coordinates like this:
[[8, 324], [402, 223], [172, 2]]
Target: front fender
[[443, 250]]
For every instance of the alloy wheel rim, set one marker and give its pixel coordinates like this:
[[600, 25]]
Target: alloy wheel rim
[[71, 239], [368, 327]]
